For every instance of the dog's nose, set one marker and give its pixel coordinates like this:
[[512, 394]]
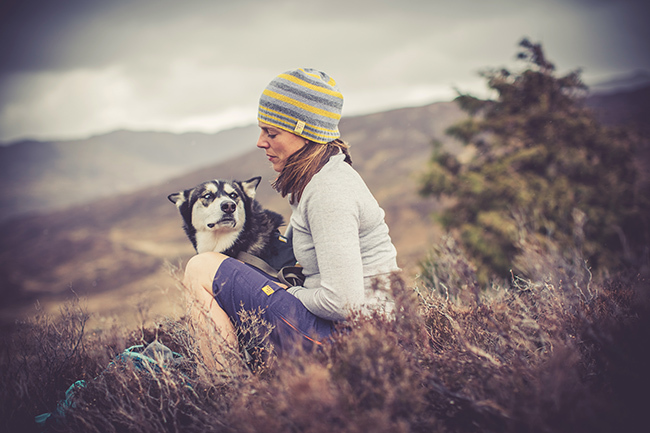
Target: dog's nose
[[228, 207]]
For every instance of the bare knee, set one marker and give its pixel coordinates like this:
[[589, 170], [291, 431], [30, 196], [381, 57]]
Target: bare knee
[[201, 269]]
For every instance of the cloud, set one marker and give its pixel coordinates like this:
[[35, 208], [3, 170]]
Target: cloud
[[75, 67]]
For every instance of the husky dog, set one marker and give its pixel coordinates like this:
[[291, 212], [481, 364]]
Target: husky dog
[[223, 216]]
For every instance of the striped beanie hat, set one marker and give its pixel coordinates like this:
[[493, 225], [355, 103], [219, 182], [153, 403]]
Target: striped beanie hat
[[305, 102]]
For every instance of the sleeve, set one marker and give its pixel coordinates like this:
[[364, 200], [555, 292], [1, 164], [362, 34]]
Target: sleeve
[[288, 232], [333, 218]]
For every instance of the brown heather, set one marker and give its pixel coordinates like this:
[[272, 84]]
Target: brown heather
[[548, 355]]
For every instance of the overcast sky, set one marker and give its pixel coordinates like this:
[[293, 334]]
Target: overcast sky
[[71, 68]]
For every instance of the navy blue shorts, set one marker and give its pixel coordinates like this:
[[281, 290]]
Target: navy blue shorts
[[238, 286]]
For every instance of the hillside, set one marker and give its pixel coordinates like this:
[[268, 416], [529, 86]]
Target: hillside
[[41, 176], [113, 251], [628, 107]]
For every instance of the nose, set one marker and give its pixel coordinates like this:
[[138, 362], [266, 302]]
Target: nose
[[261, 142], [228, 207]]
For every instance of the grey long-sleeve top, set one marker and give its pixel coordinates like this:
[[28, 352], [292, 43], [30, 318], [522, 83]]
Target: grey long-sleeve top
[[341, 240]]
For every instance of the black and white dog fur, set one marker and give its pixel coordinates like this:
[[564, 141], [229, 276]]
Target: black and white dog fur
[[223, 216]]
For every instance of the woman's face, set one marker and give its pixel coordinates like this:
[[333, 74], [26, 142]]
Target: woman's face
[[278, 144]]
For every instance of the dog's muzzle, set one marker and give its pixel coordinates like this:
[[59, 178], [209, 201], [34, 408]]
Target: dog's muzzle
[[228, 208]]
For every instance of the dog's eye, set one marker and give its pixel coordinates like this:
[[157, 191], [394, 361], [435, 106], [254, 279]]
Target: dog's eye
[[207, 196], [233, 195]]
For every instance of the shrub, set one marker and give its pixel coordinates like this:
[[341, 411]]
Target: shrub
[[535, 148], [530, 356], [39, 359]]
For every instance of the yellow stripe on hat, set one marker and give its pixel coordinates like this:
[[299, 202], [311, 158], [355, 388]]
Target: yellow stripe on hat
[[296, 103], [307, 133], [304, 83], [267, 114], [282, 123]]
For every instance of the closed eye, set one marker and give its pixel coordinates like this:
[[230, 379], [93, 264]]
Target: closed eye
[[269, 133]]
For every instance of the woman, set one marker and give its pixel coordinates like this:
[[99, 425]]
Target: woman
[[337, 228]]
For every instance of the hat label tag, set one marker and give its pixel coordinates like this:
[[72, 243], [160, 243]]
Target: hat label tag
[[300, 126]]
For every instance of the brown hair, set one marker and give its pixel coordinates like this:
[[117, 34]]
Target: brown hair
[[304, 164]]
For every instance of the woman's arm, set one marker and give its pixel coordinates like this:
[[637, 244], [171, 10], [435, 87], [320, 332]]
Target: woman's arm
[[333, 219]]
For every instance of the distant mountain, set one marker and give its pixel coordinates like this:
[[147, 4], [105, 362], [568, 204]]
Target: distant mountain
[[629, 107], [43, 176], [635, 80]]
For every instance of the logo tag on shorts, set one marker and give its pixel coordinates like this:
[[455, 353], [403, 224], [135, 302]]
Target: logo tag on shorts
[[268, 290]]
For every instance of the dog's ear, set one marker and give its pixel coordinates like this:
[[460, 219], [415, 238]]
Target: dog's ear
[[177, 198], [250, 186]]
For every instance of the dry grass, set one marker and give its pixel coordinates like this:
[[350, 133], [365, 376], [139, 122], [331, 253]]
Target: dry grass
[[533, 356]]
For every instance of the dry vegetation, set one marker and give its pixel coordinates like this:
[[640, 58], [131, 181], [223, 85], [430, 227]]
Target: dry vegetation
[[548, 355]]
